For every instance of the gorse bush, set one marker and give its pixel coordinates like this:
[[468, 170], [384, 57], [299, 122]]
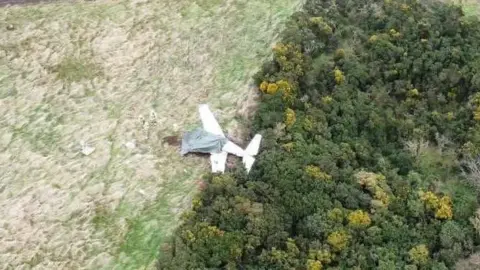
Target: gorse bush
[[367, 108]]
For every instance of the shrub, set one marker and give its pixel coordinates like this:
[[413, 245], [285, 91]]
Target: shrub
[[317, 173], [339, 77], [314, 265], [272, 88], [338, 240], [339, 54], [359, 219], [290, 117], [419, 254]]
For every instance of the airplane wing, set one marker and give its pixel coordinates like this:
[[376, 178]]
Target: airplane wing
[[209, 122]]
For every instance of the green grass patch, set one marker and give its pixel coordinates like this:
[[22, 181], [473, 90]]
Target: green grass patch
[[151, 226], [75, 69]]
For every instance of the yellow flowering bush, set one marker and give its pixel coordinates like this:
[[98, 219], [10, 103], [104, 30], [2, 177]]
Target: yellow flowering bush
[[430, 199], [314, 265], [359, 218], [419, 255], [284, 86], [339, 77], [290, 117], [290, 59], [444, 210], [287, 89], [476, 114], [441, 206], [272, 88], [338, 240], [281, 85], [263, 86], [317, 173]]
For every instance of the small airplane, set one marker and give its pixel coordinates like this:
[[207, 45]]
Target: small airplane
[[218, 160]]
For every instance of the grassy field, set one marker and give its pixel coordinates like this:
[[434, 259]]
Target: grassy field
[[470, 7], [120, 77]]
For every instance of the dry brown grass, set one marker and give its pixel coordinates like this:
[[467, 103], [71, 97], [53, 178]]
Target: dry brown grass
[[95, 72]]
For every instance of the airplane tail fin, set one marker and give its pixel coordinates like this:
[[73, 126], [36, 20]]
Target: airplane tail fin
[[218, 160], [247, 154], [251, 151]]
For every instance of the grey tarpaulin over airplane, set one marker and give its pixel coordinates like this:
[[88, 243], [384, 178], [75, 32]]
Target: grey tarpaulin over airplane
[[201, 141], [211, 139]]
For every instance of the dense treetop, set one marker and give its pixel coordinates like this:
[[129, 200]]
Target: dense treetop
[[369, 110]]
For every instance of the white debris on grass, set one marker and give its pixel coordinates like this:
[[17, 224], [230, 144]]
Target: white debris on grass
[[131, 144], [86, 149]]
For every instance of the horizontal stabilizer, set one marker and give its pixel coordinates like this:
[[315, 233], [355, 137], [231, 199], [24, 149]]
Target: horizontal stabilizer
[[218, 161], [248, 162], [234, 149]]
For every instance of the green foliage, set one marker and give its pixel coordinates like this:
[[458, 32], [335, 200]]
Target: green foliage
[[419, 255], [365, 109]]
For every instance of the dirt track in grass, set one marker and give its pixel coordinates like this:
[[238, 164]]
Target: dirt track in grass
[[120, 77]]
